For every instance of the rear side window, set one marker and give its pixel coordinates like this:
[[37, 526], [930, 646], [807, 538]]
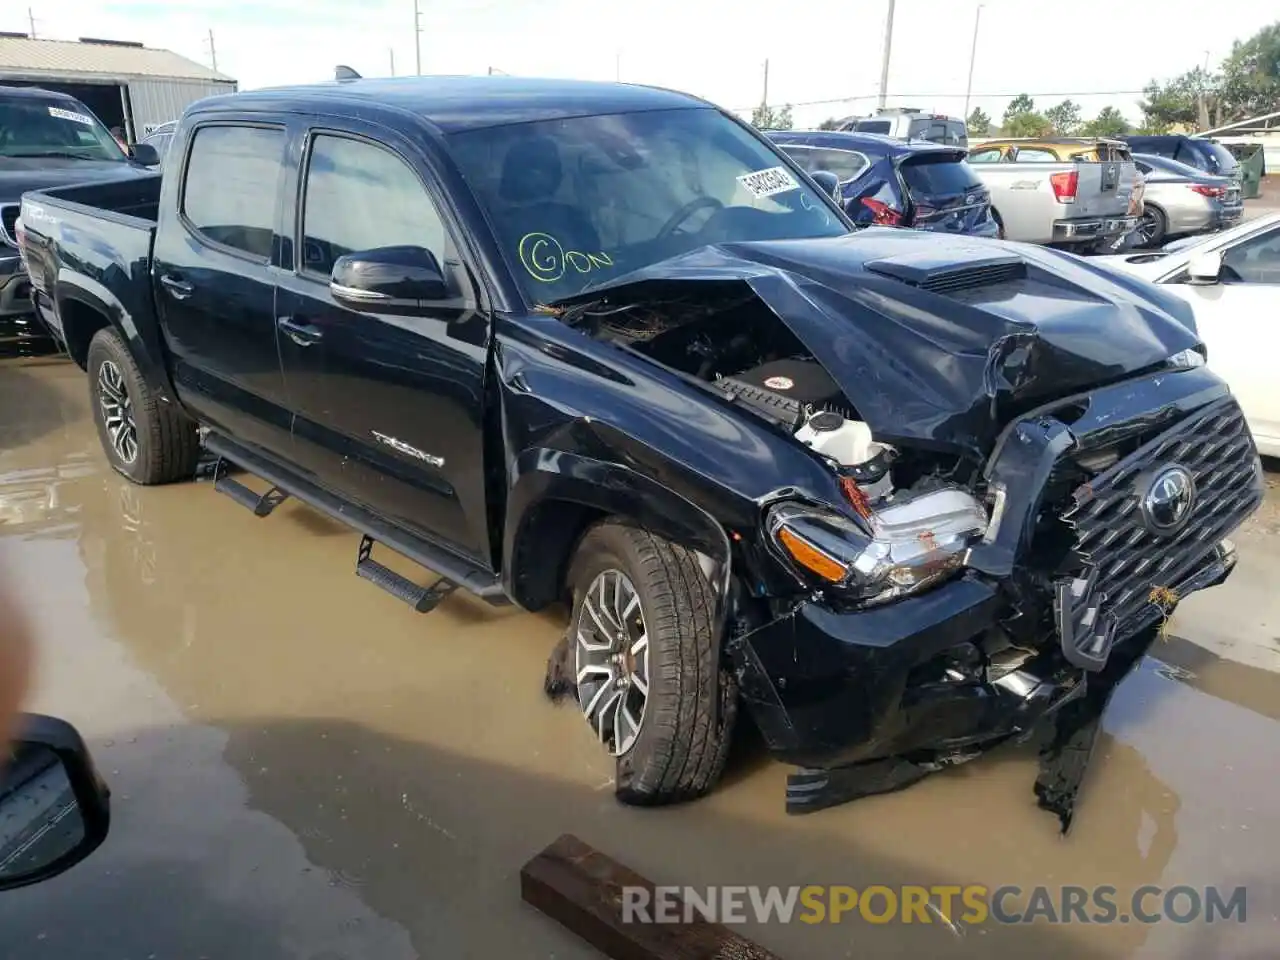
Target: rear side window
[[229, 195], [956, 135], [1034, 155], [361, 197], [872, 126], [926, 176], [845, 164]]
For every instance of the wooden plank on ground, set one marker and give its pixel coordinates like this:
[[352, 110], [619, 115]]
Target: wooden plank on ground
[[581, 888]]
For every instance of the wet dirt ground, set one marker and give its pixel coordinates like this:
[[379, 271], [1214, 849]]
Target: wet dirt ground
[[305, 768]]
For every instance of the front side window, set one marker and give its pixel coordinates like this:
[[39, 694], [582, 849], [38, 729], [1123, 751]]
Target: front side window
[[1255, 260], [361, 197], [845, 164], [580, 202], [230, 192], [31, 127], [988, 155]]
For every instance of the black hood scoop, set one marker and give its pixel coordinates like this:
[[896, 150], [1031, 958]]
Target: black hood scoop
[[928, 272]]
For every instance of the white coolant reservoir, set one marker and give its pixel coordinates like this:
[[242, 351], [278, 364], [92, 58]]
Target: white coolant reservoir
[[848, 443]]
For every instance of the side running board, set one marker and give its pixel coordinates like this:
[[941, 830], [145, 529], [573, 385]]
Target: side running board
[[422, 599], [454, 571], [260, 503]]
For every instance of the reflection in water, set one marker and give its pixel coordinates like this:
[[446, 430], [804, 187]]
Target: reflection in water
[[40, 821]]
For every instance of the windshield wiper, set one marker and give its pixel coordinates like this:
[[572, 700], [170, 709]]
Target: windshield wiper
[[68, 154]]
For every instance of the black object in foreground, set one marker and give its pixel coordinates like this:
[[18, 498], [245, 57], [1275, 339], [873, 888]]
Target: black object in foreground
[[54, 808]]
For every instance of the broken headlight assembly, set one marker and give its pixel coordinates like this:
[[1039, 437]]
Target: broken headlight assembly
[[905, 546]]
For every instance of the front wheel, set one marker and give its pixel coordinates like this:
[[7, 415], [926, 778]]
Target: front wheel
[[647, 663], [146, 439]]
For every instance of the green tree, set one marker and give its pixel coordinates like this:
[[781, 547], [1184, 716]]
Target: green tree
[[1064, 118], [831, 123], [1022, 120], [765, 117], [1178, 103], [1251, 76], [979, 123], [1109, 122]]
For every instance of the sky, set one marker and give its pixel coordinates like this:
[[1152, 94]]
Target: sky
[[1098, 52]]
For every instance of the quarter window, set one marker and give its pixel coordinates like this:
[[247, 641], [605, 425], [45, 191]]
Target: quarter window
[[361, 197], [230, 192]]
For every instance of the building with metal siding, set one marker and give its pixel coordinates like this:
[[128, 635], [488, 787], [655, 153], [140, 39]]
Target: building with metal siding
[[126, 84]]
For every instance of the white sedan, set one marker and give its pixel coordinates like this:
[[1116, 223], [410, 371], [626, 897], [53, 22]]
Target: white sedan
[[1232, 281]]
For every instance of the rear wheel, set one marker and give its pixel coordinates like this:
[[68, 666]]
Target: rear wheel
[[1151, 228], [146, 439], [646, 662], [995, 215]]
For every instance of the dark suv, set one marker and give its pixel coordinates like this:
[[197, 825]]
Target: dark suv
[[1199, 152], [897, 183]]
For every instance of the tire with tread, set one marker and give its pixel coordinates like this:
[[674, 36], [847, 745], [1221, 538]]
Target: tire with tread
[[1160, 225], [168, 441], [685, 735]]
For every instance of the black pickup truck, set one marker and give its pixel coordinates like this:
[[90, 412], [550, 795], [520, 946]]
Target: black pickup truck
[[900, 496]]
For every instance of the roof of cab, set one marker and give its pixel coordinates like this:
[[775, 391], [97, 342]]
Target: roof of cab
[[34, 93], [454, 104], [868, 142]]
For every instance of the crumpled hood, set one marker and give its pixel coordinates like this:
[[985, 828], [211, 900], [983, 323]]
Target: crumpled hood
[[937, 342], [20, 174]]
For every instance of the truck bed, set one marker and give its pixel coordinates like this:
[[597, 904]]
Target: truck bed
[[92, 243]]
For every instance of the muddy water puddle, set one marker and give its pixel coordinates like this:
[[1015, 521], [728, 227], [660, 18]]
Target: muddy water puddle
[[304, 767]]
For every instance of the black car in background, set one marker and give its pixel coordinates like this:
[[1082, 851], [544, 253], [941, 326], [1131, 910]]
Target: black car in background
[[47, 139], [1199, 152], [896, 183]]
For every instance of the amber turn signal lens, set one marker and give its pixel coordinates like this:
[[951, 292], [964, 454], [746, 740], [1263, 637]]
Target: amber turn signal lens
[[810, 557]]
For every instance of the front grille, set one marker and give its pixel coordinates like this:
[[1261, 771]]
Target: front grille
[[9, 217], [1123, 557]]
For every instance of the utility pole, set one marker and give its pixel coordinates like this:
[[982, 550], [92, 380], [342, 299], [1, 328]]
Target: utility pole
[[417, 36], [884, 63], [213, 51], [391, 52], [31, 18], [764, 99], [617, 66], [973, 53]]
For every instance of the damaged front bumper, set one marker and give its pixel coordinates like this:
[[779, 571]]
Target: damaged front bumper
[[871, 700]]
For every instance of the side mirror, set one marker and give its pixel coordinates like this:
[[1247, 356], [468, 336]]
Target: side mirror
[[145, 154], [54, 808], [388, 280], [1205, 268], [829, 182]]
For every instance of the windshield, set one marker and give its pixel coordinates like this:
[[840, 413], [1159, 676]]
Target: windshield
[[54, 128], [580, 202]]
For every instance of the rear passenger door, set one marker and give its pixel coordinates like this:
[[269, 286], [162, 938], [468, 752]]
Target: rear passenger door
[[213, 272], [388, 407]]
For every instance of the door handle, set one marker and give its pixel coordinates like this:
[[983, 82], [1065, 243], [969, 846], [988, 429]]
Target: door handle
[[303, 334], [176, 286]]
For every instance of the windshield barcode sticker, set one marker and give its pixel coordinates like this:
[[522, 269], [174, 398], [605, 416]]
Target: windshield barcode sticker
[[765, 183], [70, 115]]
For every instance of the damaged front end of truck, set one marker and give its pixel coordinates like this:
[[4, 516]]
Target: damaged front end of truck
[[1029, 464]]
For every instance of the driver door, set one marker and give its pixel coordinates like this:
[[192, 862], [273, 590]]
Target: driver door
[[388, 409], [1239, 320]]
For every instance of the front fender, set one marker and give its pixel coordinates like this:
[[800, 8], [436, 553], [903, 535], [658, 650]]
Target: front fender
[[542, 476]]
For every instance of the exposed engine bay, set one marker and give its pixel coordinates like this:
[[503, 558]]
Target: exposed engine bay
[[748, 357]]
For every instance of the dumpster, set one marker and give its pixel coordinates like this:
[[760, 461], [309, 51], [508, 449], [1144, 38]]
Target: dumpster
[[1253, 168]]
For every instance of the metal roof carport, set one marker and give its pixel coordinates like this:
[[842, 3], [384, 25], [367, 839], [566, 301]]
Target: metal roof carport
[[124, 83]]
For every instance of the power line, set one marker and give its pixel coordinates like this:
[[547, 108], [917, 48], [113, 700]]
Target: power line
[[956, 96]]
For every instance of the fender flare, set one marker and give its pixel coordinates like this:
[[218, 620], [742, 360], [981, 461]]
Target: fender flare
[[541, 475], [145, 349]]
